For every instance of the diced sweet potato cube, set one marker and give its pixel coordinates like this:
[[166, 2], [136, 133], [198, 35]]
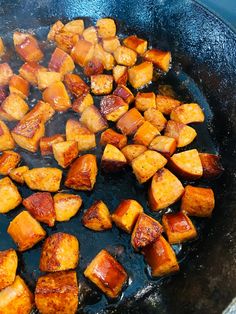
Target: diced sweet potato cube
[[147, 164], [113, 159], [97, 217], [140, 75], [43, 179], [107, 274], [106, 28], [164, 145], [10, 197], [65, 152], [61, 62], [120, 74], [90, 34], [47, 142], [2, 47], [19, 86], [161, 258], [145, 134], [132, 151], [160, 58], [41, 109], [55, 29], [144, 101], [145, 232], [66, 40], [137, 44], [57, 96], [101, 84], [111, 44], [182, 133], [113, 107], [29, 71], [75, 84], [187, 164], [211, 165], [82, 52], [105, 57], [16, 298], [60, 251], [166, 104], [156, 118], [198, 201], [41, 207], [82, 102], [46, 78], [25, 231], [112, 137], [82, 173], [6, 140], [57, 293], [130, 122], [66, 205], [93, 120], [8, 266], [93, 67], [15, 107], [126, 214], [8, 161], [125, 93], [75, 26], [17, 174], [125, 56], [5, 74], [187, 113]]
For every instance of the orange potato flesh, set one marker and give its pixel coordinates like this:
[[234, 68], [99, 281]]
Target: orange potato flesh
[[75, 84], [130, 122], [57, 96], [15, 107], [145, 134], [5, 74], [61, 62], [55, 29], [66, 40], [17, 174], [41, 110], [6, 140], [8, 266], [182, 133], [65, 152], [110, 136], [46, 78], [160, 58], [29, 72], [105, 57], [211, 165], [137, 44], [101, 84], [125, 56], [144, 101], [10, 196], [93, 67], [113, 107], [132, 151], [82, 102], [66, 205], [187, 113], [120, 74], [19, 86], [164, 145], [47, 142], [106, 28], [93, 120], [113, 159], [156, 118], [125, 93], [8, 161], [166, 104], [110, 44], [82, 52], [75, 26], [140, 75], [90, 34]]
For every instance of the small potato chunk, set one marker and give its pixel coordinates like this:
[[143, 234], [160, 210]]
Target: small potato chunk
[[94, 67], [166, 104], [140, 75], [29, 71], [17, 174], [66, 40], [47, 142], [41, 109], [145, 134], [161, 258], [25, 231], [125, 93], [82, 52], [187, 113], [137, 44], [82, 102], [97, 217], [113, 159], [93, 120], [211, 165], [144, 101], [60, 251], [112, 137], [2, 47], [19, 86], [65, 152], [129, 123], [61, 62], [111, 44], [66, 205], [187, 164], [198, 201], [120, 74], [182, 133], [57, 96], [75, 84], [40, 206], [164, 145], [105, 57], [113, 107], [46, 78], [55, 29], [156, 118], [125, 56], [126, 214], [101, 84], [82, 173], [107, 274], [6, 140], [8, 161], [75, 26], [132, 151], [178, 227], [147, 164], [57, 293], [15, 107], [145, 232], [106, 28], [90, 34], [43, 179], [9, 195], [8, 266], [160, 58], [16, 298], [5, 74]]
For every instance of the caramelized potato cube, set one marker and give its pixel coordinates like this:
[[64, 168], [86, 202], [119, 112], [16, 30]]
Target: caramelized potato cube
[[90, 34], [211, 165], [94, 67], [19, 86], [107, 274], [75, 26], [129, 123], [55, 29], [198, 201], [93, 120], [9, 194], [43, 179], [125, 56], [29, 71], [187, 113], [82, 173], [120, 74], [106, 28], [137, 44], [113, 107], [65, 152], [82, 52], [145, 232], [140, 75], [66, 40], [57, 293], [164, 145], [111, 44], [15, 107], [166, 104], [156, 118], [47, 142], [101, 84], [25, 231], [113, 159], [144, 101], [187, 164], [43, 110], [2, 47], [105, 57], [125, 93], [75, 84], [8, 161], [61, 62], [5, 74], [8, 266], [82, 102], [182, 133], [17, 174], [66, 205], [160, 58], [132, 151], [126, 214], [57, 96], [40, 206], [97, 217], [147, 164], [6, 140], [60, 251], [112, 137], [161, 258], [145, 134], [46, 78]]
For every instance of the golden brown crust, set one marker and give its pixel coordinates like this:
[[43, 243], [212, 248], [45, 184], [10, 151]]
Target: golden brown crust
[[8, 266]]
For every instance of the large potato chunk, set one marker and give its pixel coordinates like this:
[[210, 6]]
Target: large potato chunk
[[156, 118], [61, 62], [120, 74], [101, 84], [57, 293], [111, 44], [41, 109], [137, 44], [47, 142], [187, 113], [145, 101], [9, 195], [182, 133], [66, 40], [82, 52], [15, 108], [57, 96], [113, 107], [29, 71], [211, 165], [60, 251], [8, 266], [82, 102], [90, 34], [25, 231], [75, 84], [145, 134], [55, 29], [112, 137], [160, 58], [164, 145], [94, 66], [113, 159], [43, 179], [93, 120], [8, 161], [75, 26], [125, 93], [18, 85], [17, 174], [140, 75], [6, 140], [105, 57], [46, 78], [5, 74], [106, 28], [107, 274], [125, 56], [66, 205], [132, 151], [130, 122], [166, 104], [65, 152]]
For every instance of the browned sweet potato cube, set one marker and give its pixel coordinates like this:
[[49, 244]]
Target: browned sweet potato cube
[[112, 137], [161, 258], [66, 40], [145, 134], [126, 214], [164, 145], [61, 62], [211, 165], [41, 109], [66, 205], [137, 44], [55, 29], [145, 232], [125, 93], [65, 152], [90, 34], [182, 133], [110, 44], [82, 52], [82, 173], [46, 78], [75, 84], [5, 74], [144, 101], [2, 47], [120, 74], [147, 164], [140, 75], [6, 140], [105, 57], [106, 28], [93, 67], [19, 86], [166, 104], [14, 107], [17, 174], [40, 205], [10, 197], [187, 113], [93, 120], [125, 56], [57, 293], [8, 266], [160, 58], [29, 71], [132, 151], [156, 118], [101, 84], [113, 107], [82, 102], [97, 217], [107, 274], [113, 159], [57, 96], [25, 231], [198, 201], [75, 26], [8, 161], [47, 142], [130, 122], [60, 251]]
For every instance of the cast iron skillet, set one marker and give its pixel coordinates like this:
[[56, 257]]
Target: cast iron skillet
[[204, 63]]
